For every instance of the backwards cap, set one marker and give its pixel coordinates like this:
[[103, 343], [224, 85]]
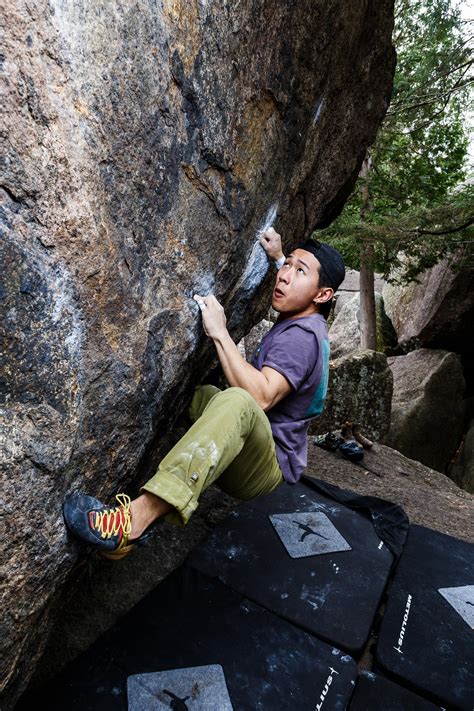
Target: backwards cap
[[332, 263]]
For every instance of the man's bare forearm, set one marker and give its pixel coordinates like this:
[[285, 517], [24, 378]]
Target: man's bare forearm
[[238, 372]]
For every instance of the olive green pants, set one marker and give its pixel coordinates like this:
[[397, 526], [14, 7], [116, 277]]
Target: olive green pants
[[230, 442]]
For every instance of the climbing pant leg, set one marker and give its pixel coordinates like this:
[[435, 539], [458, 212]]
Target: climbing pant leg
[[201, 397], [231, 439]]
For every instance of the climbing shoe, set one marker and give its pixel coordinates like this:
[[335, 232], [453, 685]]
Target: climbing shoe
[[329, 441], [107, 528], [351, 450]]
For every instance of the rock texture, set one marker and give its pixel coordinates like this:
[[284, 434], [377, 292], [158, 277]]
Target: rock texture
[[147, 144], [436, 312], [360, 390], [344, 333], [253, 338], [351, 286], [427, 408]]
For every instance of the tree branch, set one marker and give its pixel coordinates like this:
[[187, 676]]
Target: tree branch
[[432, 99], [447, 232], [433, 80]]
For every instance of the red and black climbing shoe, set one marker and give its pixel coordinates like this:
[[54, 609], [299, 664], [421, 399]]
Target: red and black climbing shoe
[[106, 528]]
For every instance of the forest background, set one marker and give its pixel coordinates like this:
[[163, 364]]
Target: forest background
[[413, 203]]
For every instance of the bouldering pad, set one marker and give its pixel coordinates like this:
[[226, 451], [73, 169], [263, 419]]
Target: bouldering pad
[[389, 520], [203, 644], [193, 687], [426, 636], [375, 693], [305, 557]]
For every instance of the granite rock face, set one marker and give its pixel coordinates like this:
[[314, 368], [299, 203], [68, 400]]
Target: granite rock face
[[351, 286], [147, 144], [437, 311], [344, 333], [360, 391], [253, 338], [427, 409]]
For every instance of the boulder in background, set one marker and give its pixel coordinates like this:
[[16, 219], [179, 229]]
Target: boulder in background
[[344, 332], [437, 312], [427, 409], [360, 390]]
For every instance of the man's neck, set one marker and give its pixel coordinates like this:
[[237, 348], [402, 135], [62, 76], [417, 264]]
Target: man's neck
[[309, 311]]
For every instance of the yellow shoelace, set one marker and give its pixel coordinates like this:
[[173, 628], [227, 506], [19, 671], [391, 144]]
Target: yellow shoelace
[[121, 518]]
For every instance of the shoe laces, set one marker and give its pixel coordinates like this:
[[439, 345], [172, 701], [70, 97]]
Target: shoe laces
[[118, 519]]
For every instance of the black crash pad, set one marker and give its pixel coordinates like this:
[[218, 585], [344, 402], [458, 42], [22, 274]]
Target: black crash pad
[[426, 639], [333, 590], [228, 650], [389, 520], [374, 693]]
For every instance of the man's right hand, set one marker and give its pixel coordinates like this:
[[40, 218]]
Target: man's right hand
[[271, 243]]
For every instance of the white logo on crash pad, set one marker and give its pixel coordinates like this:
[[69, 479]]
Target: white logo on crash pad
[[462, 599], [190, 689], [308, 533]]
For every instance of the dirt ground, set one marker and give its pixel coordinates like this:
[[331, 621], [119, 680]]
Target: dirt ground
[[428, 497]]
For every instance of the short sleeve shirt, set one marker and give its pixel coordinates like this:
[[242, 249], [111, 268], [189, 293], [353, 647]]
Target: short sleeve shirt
[[299, 350]]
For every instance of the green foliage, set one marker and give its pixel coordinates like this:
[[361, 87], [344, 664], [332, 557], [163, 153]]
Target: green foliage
[[417, 240], [407, 200]]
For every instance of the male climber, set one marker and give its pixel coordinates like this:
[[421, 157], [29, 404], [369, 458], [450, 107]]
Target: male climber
[[252, 436]]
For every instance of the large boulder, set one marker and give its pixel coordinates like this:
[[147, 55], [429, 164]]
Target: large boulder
[[360, 391], [148, 142], [344, 333], [436, 311], [427, 408], [351, 286]]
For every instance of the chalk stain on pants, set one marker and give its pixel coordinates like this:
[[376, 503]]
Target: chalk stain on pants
[[230, 443]]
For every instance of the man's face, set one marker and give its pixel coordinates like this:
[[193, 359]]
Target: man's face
[[297, 292]]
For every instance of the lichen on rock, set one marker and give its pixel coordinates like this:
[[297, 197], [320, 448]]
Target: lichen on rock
[[360, 391]]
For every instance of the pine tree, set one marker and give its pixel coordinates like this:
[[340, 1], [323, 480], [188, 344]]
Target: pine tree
[[412, 205]]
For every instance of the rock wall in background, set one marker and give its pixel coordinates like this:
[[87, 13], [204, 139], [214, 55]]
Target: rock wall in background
[[427, 408], [436, 311], [148, 141], [344, 332], [359, 391]]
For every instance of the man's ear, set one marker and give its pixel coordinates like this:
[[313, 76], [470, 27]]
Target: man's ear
[[324, 294]]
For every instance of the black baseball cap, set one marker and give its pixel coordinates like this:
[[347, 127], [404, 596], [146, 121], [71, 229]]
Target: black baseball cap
[[332, 263]]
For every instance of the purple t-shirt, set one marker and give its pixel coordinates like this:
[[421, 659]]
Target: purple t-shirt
[[299, 350]]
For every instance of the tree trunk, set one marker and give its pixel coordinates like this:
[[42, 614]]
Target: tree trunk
[[368, 337]]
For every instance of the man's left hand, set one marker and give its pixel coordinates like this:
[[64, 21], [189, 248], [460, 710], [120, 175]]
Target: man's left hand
[[213, 317]]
